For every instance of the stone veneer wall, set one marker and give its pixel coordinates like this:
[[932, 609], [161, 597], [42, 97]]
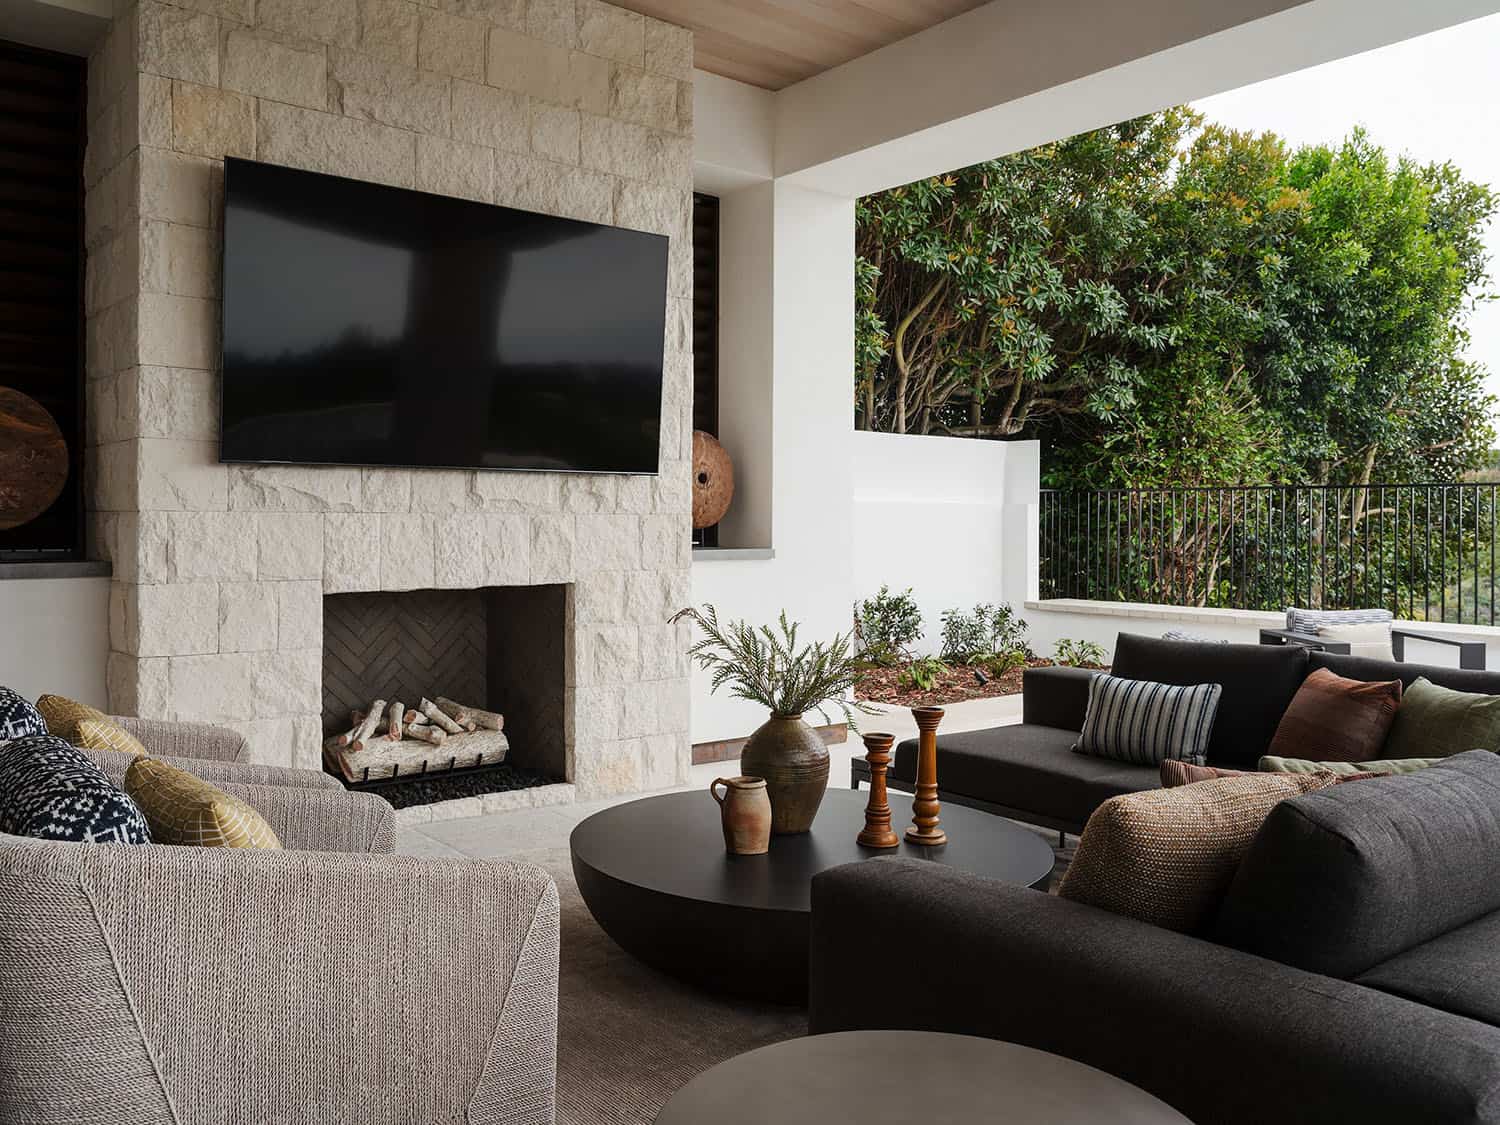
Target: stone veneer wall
[[571, 107]]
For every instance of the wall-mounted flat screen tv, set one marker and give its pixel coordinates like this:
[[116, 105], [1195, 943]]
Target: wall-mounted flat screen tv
[[371, 325]]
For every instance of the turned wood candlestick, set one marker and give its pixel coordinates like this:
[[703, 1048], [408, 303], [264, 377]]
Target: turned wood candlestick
[[877, 831], [924, 806]]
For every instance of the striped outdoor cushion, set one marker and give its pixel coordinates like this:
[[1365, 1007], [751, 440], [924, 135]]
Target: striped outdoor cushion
[[1308, 620], [1143, 722]]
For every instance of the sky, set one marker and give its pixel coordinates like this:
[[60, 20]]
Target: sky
[[1435, 98]]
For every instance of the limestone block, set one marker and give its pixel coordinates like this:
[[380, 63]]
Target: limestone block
[[487, 116], [178, 331], [679, 330], [291, 545], [284, 72], [113, 473], [136, 685], [287, 682], [351, 552], [335, 22], [179, 259], [249, 617], [669, 49], [517, 492], [124, 622], [295, 488], [656, 707], [102, 422], [112, 339], [342, 146], [599, 598], [507, 550], [172, 402], [596, 714], [210, 545], [388, 29], [110, 273], [666, 541], [614, 655], [608, 542], [502, 13], [610, 769], [455, 168], [152, 533], [180, 189], [555, 21], [451, 45], [182, 476], [175, 43], [215, 688], [386, 490], [685, 107], [665, 760], [441, 490], [101, 207], [375, 90], [672, 489], [456, 809], [650, 598], [635, 152], [654, 207], [552, 549], [104, 144], [267, 741], [458, 545], [307, 742], [633, 496], [112, 537], [113, 61], [240, 11], [612, 32], [644, 98], [589, 492], [551, 73], [207, 121], [299, 613], [407, 558], [554, 132], [553, 189], [662, 653]]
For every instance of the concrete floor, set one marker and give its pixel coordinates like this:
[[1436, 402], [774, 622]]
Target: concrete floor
[[525, 830]]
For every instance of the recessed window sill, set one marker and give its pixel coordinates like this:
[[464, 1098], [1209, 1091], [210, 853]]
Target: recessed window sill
[[82, 569], [732, 554]]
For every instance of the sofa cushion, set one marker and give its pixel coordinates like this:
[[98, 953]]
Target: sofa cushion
[[1258, 681], [1142, 722], [1362, 668], [1340, 880], [49, 789], [1029, 768], [1377, 768], [1174, 773], [19, 718], [1165, 857], [1436, 722], [1370, 640], [1454, 971], [183, 809], [1335, 719]]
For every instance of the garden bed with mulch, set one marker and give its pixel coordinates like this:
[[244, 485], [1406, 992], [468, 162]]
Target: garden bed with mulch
[[883, 685]]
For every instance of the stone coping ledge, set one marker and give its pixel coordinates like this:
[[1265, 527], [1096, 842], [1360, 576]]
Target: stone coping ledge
[[1260, 619], [10, 571], [732, 554], [538, 796]]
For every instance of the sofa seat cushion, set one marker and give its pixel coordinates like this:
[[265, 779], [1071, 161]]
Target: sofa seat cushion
[[1258, 681], [1338, 881], [1454, 971], [1029, 768]]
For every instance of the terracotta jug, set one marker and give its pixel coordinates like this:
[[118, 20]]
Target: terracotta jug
[[746, 810]]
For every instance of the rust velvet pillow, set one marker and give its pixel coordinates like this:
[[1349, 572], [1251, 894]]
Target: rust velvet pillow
[[1335, 719]]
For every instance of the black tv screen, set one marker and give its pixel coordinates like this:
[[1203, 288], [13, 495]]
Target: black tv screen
[[371, 325]]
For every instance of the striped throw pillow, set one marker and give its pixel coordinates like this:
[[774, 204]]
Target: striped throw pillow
[[1309, 620], [1145, 723], [183, 809]]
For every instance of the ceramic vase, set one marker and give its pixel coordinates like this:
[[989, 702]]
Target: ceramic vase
[[793, 759], [746, 811]]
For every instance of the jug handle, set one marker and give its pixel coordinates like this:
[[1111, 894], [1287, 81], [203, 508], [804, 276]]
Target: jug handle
[[713, 788]]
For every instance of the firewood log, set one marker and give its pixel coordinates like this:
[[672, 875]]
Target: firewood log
[[371, 720], [486, 720], [438, 716], [426, 732], [393, 720]]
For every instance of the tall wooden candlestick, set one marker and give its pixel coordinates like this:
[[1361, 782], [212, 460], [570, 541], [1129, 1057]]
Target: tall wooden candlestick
[[877, 831], [924, 806]]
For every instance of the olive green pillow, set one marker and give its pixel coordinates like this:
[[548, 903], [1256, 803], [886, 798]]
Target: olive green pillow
[[1272, 764], [1438, 722]]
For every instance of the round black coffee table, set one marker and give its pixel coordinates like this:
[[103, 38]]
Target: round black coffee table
[[656, 877], [899, 1077]]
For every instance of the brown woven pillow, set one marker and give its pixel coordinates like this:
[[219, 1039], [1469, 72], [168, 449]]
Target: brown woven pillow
[[1334, 719], [1166, 856], [1175, 773]]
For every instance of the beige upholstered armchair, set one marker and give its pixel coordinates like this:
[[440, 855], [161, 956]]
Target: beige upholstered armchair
[[330, 982]]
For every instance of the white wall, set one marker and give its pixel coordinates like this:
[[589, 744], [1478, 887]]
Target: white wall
[[935, 514], [54, 637]]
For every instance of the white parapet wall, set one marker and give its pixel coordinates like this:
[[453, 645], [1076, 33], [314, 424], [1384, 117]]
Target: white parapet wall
[[55, 637], [952, 518]]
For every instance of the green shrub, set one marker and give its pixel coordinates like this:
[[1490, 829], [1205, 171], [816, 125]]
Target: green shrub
[[923, 674], [979, 637], [1079, 654], [886, 626]]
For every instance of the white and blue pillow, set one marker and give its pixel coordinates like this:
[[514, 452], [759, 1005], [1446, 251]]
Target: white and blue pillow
[[18, 717], [51, 790], [1144, 723]]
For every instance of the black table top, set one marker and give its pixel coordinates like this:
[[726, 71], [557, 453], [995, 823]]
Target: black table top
[[899, 1077], [673, 844]]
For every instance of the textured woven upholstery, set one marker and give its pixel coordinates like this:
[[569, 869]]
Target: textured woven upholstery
[[185, 740], [188, 986], [114, 764]]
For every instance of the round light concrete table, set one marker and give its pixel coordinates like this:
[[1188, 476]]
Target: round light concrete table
[[901, 1077]]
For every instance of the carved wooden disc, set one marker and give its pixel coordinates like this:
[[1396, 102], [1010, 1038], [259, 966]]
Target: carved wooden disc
[[33, 459], [713, 480]]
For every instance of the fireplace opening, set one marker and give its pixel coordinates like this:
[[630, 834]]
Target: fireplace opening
[[500, 650]]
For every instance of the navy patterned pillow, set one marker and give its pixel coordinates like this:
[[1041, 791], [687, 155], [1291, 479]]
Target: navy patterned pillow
[[51, 790], [18, 718]]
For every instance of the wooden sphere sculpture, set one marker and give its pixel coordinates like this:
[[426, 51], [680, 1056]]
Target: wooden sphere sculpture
[[713, 480], [33, 459]]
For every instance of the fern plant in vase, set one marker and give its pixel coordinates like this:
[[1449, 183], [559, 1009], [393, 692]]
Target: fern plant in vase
[[768, 667]]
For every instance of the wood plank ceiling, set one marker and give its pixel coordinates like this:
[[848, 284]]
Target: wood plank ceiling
[[773, 43]]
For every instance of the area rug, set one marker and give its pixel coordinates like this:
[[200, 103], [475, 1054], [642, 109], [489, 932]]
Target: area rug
[[629, 1037]]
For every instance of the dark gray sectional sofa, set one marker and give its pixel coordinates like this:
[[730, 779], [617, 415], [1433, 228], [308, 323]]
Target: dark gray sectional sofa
[[1029, 772]]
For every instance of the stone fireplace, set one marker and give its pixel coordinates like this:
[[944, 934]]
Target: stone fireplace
[[223, 573]]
